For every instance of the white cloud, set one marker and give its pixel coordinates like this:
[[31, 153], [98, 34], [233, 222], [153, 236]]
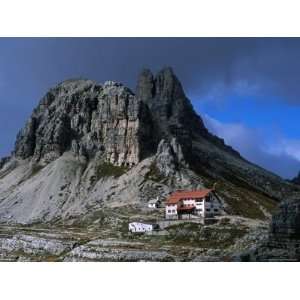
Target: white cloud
[[244, 87], [290, 147], [281, 155], [218, 92], [229, 131]]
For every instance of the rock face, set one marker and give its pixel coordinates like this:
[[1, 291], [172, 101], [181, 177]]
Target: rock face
[[169, 157], [286, 222], [88, 145], [109, 120], [3, 161], [296, 180], [283, 240], [171, 111], [89, 120]]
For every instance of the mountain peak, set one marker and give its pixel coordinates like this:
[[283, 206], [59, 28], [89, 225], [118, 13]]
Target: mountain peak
[[109, 120], [145, 85], [87, 119], [83, 135], [166, 72], [168, 85]]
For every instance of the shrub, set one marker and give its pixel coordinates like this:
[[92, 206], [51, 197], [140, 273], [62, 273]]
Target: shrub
[[154, 174]]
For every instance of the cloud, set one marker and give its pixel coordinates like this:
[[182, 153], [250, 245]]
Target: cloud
[[231, 132], [209, 68], [280, 156], [264, 67], [290, 147]]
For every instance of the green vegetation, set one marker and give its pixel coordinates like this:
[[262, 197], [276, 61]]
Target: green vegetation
[[242, 198], [154, 174], [246, 203], [182, 237], [197, 235], [109, 170], [245, 207], [35, 169], [269, 204]]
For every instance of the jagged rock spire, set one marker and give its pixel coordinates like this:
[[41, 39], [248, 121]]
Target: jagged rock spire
[[87, 119], [90, 119], [169, 157], [145, 85], [172, 112], [110, 121], [168, 85], [165, 85]]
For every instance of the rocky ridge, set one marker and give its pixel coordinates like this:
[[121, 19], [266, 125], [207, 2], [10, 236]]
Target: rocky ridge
[[283, 241], [89, 120], [296, 180], [88, 146]]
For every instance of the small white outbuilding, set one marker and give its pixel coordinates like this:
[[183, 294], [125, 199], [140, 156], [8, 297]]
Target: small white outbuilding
[[140, 227], [154, 203]]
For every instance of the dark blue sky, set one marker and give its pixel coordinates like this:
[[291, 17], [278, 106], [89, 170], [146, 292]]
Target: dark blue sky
[[247, 90]]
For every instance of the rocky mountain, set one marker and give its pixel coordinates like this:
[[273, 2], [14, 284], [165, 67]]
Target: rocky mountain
[[283, 238], [296, 180], [88, 147]]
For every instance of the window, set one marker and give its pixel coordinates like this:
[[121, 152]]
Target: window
[[208, 209], [215, 209], [169, 211]]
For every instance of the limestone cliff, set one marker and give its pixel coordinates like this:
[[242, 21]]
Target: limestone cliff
[[90, 145], [88, 119]]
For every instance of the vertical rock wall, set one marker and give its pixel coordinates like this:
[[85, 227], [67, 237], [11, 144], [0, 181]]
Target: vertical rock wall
[[88, 119]]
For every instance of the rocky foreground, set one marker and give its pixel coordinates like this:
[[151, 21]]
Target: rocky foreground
[[222, 241]]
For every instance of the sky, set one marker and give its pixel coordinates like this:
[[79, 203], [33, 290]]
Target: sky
[[247, 90]]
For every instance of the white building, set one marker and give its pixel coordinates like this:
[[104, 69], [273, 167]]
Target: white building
[[154, 203], [200, 203], [140, 227]]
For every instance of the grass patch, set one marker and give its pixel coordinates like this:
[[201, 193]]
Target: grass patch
[[109, 170], [35, 169], [154, 174], [244, 202], [243, 198], [245, 207], [197, 235]]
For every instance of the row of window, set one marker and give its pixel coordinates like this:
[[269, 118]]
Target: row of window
[[173, 211], [197, 200], [189, 205], [192, 204]]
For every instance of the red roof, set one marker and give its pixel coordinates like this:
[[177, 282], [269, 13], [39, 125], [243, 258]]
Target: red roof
[[175, 197]]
